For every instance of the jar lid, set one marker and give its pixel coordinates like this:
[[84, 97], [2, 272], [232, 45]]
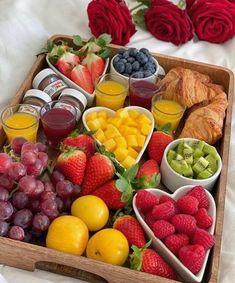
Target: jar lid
[[37, 93], [76, 94], [41, 76]]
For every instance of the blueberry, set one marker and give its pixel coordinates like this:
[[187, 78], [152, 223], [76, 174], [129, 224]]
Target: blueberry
[[135, 66], [120, 67], [151, 60], [133, 51], [148, 66], [142, 58], [128, 68], [141, 69], [147, 74], [131, 59], [123, 60], [116, 59], [145, 51], [125, 54], [138, 75], [125, 74], [121, 50]]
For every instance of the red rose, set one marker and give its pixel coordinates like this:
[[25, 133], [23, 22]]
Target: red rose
[[168, 22], [112, 17], [213, 20]]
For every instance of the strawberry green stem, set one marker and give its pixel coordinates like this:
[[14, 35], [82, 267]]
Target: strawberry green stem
[[181, 4]]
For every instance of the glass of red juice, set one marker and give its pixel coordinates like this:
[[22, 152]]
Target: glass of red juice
[[58, 120], [142, 89]]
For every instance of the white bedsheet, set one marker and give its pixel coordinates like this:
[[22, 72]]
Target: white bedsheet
[[24, 28]]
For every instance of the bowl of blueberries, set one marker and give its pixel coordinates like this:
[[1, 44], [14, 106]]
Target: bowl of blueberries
[[130, 61]]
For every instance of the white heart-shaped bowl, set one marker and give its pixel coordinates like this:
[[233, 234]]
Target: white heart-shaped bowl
[[111, 114], [160, 247], [172, 180], [89, 96]]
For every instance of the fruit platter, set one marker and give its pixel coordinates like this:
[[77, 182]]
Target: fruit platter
[[104, 184]]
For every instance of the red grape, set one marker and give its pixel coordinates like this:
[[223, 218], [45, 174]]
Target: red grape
[[29, 157], [49, 207], [27, 236], [34, 205], [44, 158], [5, 162], [41, 147], [16, 233], [64, 189], [35, 169], [48, 186], [17, 170], [23, 218], [40, 223], [17, 144], [27, 184], [56, 176], [6, 210], [29, 146], [60, 204], [4, 194], [4, 227], [47, 195], [76, 191], [38, 190], [67, 204], [20, 200], [6, 181]]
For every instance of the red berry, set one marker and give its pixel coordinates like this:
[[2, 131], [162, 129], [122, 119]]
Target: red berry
[[192, 256], [162, 229], [149, 219], [203, 238], [145, 199], [184, 223], [188, 204], [204, 220], [199, 192], [165, 198], [175, 242], [164, 210]]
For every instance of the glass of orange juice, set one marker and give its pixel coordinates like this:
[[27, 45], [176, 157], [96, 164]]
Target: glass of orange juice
[[111, 91], [166, 111], [21, 120]]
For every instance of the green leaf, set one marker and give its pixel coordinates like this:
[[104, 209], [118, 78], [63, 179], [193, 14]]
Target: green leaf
[[166, 128], [131, 172], [122, 184], [92, 39], [104, 39], [138, 18], [53, 59], [104, 53], [77, 40], [135, 258], [145, 2]]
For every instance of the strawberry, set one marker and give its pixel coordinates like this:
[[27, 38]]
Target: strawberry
[[145, 200], [204, 220], [90, 46], [192, 256], [163, 211], [72, 163], [95, 65], [162, 229], [175, 242], [99, 170], [66, 63], [148, 175], [81, 141], [157, 144], [184, 223], [188, 204], [131, 229], [203, 238], [82, 77], [199, 193], [147, 260]]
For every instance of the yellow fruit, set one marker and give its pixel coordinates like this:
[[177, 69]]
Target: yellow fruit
[[128, 162], [131, 140], [141, 140], [103, 114], [102, 122], [143, 119], [108, 245], [99, 134], [121, 141], [91, 116], [67, 234], [121, 153], [133, 114], [92, 211], [145, 129], [110, 144], [111, 132], [122, 113], [132, 153], [94, 124]]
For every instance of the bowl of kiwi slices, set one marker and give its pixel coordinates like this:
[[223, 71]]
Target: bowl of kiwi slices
[[189, 161]]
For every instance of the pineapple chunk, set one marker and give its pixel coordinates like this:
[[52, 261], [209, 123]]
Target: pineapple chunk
[[122, 113], [93, 125], [103, 114], [132, 153], [103, 122], [132, 131], [141, 140], [133, 114], [110, 145], [100, 135], [145, 129], [121, 153], [111, 132], [124, 130], [143, 119], [121, 141], [131, 140], [128, 162], [116, 122], [130, 122], [91, 116]]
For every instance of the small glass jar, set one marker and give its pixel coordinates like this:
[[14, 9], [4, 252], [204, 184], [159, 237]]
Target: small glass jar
[[36, 98], [48, 81], [75, 98]]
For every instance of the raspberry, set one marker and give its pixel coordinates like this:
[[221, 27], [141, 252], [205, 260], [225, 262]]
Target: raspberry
[[192, 256], [165, 198], [145, 199], [184, 223], [204, 220], [188, 204], [162, 229], [175, 242], [203, 238], [199, 192], [163, 211], [149, 219]]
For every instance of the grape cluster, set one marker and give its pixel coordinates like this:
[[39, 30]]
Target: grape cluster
[[131, 61], [29, 202]]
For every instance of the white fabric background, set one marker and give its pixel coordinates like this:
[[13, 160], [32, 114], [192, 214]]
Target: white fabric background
[[25, 26]]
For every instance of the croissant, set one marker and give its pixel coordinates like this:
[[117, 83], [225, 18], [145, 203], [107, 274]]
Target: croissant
[[206, 123], [187, 87]]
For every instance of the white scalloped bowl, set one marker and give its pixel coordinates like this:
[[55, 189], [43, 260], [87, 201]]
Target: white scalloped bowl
[[160, 247], [89, 96], [111, 113]]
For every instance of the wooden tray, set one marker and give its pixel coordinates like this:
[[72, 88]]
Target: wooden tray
[[28, 256]]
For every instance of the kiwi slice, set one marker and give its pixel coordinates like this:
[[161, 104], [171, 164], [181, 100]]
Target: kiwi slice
[[197, 144], [180, 148], [171, 155], [188, 172], [213, 163], [188, 155], [205, 174], [179, 166], [211, 150], [200, 165], [178, 157], [198, 153]]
